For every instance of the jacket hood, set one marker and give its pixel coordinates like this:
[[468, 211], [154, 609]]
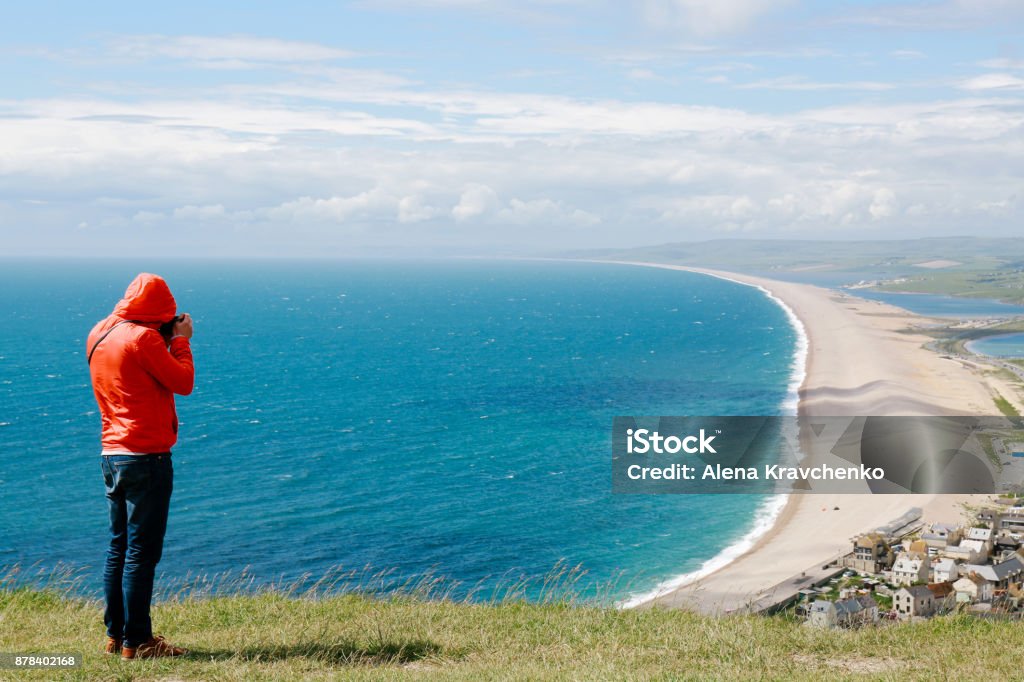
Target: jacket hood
[[147, 299]]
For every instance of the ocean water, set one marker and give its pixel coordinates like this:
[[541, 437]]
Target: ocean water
[[446, 418], [1000, 346]]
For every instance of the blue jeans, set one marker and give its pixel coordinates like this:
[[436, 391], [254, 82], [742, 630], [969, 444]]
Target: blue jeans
[[139, 497]]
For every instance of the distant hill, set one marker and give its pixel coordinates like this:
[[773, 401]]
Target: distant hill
[[793, 253], [958, 266]]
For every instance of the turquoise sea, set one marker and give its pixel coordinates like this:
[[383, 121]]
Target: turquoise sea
[[447, 418]]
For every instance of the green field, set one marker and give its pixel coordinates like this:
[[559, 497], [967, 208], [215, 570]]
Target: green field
[[1004, 283], [274, 637]]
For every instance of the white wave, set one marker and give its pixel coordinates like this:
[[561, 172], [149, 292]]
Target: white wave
[[770, 509], [799, 365], [763, 522]]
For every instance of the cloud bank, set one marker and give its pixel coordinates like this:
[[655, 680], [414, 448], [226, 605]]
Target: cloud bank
[[329, 152]]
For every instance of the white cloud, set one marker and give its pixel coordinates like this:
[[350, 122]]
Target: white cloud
[[1001, 208], [329, 151], [726, 67], [475, 201], [232, 49], [199, 213], [545, 212], [643, 75], [1002, 63], [709, 18], [335, 209], [993, 81], [937, 14], [148, 217], [608, 166], [480, 202], [800, 83], [883, 204], [411, 209]]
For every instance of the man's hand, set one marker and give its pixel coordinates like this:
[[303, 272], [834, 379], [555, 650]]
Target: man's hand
[[183, 327]]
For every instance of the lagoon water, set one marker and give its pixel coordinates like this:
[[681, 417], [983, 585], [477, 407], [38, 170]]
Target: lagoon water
[[935, 305], [1000, 346], [931, 305], [446, 418]]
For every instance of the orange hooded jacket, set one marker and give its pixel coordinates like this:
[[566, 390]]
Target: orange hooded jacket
[[134, 373]]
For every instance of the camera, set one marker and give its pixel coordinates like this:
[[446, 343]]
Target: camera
[[167, 328]]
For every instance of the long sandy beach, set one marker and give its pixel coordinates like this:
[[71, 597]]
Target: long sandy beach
[[863, 358]]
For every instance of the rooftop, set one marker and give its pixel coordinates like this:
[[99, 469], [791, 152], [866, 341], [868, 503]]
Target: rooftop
[[917, 591], [997, 572], [870, 540], [982, 534]]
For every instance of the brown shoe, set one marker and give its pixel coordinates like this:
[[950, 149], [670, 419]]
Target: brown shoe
[[156, 647], [113, 646]]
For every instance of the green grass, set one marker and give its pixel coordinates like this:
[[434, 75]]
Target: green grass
[[990, 451], [1006, 284], [272, 636], [1006, 408]]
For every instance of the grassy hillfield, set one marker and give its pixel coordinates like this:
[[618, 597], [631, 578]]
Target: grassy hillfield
[[272, 636]]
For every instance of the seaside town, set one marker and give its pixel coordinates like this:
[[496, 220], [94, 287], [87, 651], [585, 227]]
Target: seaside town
[[910, 570]]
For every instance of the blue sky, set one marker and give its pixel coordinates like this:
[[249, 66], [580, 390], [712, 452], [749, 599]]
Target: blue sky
[[482, 126]]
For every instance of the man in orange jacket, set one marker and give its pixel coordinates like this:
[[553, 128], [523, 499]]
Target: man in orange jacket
[[139, 357]]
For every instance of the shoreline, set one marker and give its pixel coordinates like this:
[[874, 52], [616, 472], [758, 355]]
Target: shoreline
[[776, 508], [872, 366], [968, 344]]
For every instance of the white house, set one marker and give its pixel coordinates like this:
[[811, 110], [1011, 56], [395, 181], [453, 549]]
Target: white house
[[983, 534], [980, 548], [910, 568], [938, 536], [980, 533], [969, 551], [1000, 575], [868, 609], [944, 571], [843, 613], [942, 531], [822, 614], [972, 588], [916, 600]]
